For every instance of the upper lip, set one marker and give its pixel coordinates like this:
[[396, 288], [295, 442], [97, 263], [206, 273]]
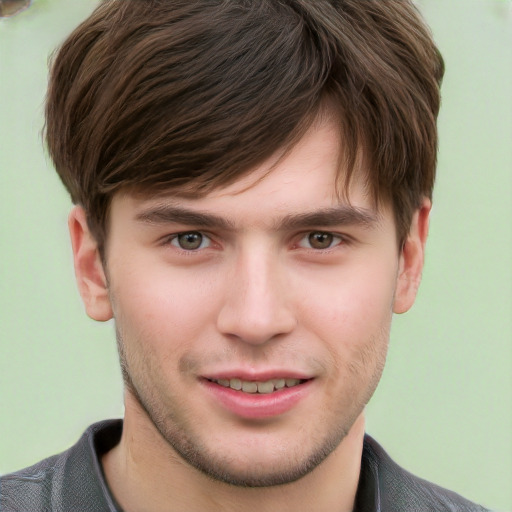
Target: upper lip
[[257, 375]]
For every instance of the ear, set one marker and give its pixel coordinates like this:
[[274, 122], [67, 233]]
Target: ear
[[412, 258], [89, 271]]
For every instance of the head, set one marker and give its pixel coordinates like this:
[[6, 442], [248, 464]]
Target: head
[[184, 95], [254, 181]]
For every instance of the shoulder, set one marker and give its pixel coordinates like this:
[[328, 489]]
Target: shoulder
[[71, 480], [398, 490], [30, 488]]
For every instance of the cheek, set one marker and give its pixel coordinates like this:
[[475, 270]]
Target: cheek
[[162, 307], [351, 304]]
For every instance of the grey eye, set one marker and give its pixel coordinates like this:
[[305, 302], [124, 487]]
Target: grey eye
[[191, 241], [12, 7], [320, 240]]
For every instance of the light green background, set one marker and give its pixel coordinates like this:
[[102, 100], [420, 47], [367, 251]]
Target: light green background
[[444, 407]]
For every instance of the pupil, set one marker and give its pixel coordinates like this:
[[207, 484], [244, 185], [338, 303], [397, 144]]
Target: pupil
[[190, 241], [320, 240]]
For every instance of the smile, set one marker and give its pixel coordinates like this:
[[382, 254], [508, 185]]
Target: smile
[[263, 388], [258, 399]]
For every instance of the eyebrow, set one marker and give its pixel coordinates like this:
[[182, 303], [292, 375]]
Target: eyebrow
[[168, 214], [343, 215]]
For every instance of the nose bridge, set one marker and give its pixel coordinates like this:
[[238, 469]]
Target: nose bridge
[[256, 308]]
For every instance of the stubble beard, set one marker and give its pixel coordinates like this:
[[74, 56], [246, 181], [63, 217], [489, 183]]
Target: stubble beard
[[197, 455]]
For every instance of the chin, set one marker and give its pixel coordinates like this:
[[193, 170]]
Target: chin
[[257, 466]]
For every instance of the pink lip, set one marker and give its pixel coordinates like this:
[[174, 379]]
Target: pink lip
[[255, 405], [257, 375]]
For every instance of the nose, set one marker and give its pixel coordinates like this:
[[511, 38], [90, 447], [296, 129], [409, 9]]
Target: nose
[[256, 306]]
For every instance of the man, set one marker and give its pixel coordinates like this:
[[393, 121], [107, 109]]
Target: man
[[252, 182]]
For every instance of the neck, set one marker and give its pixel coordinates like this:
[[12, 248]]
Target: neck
[[146, 474]]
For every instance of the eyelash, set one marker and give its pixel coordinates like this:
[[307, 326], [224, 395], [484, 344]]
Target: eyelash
[[336, 241], [174, 241]]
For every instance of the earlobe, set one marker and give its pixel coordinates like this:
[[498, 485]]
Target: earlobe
[[411, 259], [89, 271]]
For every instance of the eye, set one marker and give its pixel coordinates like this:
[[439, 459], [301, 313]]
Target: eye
[[191, 241], [320, 240]]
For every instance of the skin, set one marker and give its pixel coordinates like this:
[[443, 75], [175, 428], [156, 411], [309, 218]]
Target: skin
[[271, 288]]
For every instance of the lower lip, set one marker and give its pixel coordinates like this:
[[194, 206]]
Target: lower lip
[[256, 405]]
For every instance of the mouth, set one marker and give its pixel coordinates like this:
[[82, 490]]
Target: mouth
[[258, 387], [258, 397]]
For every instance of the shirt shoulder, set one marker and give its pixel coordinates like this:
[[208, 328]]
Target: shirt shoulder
[[70, 481], [30, 489], [395, 489]]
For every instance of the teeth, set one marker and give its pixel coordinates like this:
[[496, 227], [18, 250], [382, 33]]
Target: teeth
[[266, 387], [279, 383], [235, 384], [249, 387]]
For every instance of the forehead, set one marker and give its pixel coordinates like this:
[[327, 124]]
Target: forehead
[[307, 176], [293, 191]]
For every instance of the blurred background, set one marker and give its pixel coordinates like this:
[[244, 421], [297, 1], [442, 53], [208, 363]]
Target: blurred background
[[444, 407]]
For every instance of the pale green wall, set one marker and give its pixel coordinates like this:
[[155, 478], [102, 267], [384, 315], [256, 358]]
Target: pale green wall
[[444, 407]]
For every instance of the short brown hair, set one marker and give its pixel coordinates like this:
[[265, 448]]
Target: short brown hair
[[154, 95]]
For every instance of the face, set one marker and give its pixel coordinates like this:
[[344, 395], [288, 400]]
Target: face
[[253, 323]]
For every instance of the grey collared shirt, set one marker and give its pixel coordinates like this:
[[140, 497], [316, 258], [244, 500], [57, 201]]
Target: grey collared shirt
[[73, 481]]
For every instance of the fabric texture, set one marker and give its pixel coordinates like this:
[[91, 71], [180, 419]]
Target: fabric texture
[[73, 481]]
